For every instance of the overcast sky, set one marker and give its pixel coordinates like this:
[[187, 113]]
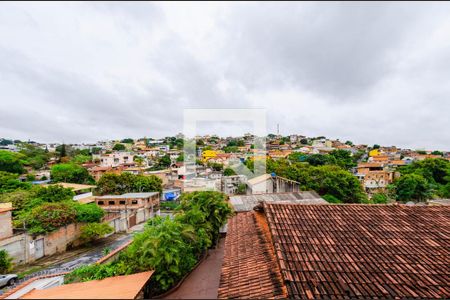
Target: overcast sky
[[370, 73]]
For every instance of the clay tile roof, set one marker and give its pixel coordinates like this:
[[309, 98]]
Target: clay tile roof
[[119, 287], [362, 251], [249, 268]]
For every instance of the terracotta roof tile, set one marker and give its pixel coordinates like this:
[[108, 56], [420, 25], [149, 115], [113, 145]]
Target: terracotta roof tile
[[249, 267], [362, 251]]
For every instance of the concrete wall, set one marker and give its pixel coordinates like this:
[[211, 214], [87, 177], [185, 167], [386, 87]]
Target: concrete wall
[[17, 247], [57, 241], [5, 225]]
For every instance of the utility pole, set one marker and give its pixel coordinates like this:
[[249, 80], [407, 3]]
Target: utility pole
[[278, 129]]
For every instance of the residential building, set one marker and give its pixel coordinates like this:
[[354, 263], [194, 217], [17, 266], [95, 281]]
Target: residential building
[[270, 183], [137, 206], [116, 159], [230, 184]]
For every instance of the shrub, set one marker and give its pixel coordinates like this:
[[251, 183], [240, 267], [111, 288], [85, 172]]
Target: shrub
[[93, 231], [5, 262], [379, 198], [331, 199], [89, 213], [48, 217]]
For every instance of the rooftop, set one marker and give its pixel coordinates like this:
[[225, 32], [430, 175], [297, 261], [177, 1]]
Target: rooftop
[[342, 251], [74, 186], [248, 202], [119, 287], [129, 196], [249, 268]]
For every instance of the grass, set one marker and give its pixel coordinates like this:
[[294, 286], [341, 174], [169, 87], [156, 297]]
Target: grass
[[29, 271]]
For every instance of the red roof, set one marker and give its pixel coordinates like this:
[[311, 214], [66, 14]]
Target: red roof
[[339, 251], [249, 268], [362, 251], [119, 287]]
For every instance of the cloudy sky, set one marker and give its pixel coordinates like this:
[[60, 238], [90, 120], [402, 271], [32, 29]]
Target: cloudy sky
[[370, 73]]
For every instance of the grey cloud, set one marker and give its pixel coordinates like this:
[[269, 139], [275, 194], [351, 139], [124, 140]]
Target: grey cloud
[[372, 73]]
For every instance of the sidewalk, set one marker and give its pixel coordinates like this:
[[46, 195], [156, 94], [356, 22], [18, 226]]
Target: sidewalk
[[203, 282]]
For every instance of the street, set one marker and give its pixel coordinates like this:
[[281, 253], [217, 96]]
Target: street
[[73, 259]]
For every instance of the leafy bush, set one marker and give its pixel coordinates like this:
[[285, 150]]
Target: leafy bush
[[379, 198], [9, 182], [331, 199], [213, 208], [169, 205], [5, 262], [93, 231], [70, 172], [89, 213], [11, 162], [326, 179], [48, 217], [113, 184], [119, 147], [412, 187], [229, 172]]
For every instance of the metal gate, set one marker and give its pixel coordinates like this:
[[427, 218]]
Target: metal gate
[[39, 248], [132, 221]]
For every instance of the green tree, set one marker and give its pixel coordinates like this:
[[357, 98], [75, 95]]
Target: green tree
[[304, 141], [412, 187], [9, 182], [379, 198], [331, 199], [70, 173], [119, 147], [343, 159], [80, 159], [5, 262], [11, 162], [34, 156], [242, 189], [94, 231], [48, 217], [215, 166], [127, 141], [229, 172], [326, 179], [88, 213], [113, 184]]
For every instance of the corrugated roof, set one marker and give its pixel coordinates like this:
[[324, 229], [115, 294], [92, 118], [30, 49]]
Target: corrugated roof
[[259, 179], [248, 202], [119, 287]]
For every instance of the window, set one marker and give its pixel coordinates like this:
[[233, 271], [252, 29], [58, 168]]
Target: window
[[111, 202], [100, 202], [122, 202], [134, 202]]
